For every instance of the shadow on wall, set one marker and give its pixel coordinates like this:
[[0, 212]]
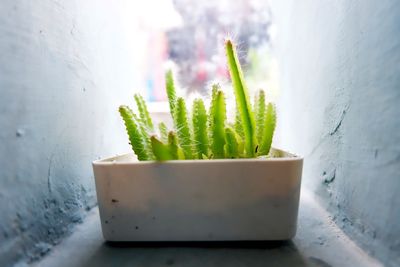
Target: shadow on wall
[[341, 108], [60, 66]]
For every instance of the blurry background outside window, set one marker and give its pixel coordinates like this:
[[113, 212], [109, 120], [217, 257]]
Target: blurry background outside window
[[188, 35]]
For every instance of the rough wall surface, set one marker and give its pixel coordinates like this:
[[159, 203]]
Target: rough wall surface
[[61, 63], [340, 108]]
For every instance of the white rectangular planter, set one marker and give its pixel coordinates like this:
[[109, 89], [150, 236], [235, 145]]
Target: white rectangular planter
[[198, 200]]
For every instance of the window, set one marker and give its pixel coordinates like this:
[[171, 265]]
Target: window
[[187, 35]]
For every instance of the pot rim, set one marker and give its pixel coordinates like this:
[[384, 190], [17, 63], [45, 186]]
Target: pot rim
[[287, 156]]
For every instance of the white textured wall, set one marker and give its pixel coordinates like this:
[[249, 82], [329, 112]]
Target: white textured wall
[[65, 66], [340, 109]]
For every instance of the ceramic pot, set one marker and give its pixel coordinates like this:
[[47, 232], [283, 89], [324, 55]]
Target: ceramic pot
[[198, 200]]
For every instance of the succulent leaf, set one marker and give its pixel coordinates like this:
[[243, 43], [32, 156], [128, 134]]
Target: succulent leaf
[[173, 144], [160, 150], [238, 124], [145, 136], [242, 98], [144, 112], [182, 128], [163, 131], [134, 132], [259, 110], [217, 124], [171, 90], [231, 146], [199, 121], [269, 128]]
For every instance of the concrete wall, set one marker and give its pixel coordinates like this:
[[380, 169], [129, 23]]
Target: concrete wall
[[64, 69], [340, 108]]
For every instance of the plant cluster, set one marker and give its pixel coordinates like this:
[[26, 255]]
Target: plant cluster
[[201, 134]]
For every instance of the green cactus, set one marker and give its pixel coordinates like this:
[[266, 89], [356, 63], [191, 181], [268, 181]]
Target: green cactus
[[160, 150], [145, 136], [232, 144], [143, 112], [199, 122], [173, 145], [171, 91], [259, 112], [242, 98], [269, 128], [204, 136], [217, 124], [176, 151], [182, 128], [238, 123], [135, 136], [163, 131]]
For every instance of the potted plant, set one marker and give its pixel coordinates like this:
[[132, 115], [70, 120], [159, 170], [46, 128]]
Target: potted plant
[[208, 179]]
